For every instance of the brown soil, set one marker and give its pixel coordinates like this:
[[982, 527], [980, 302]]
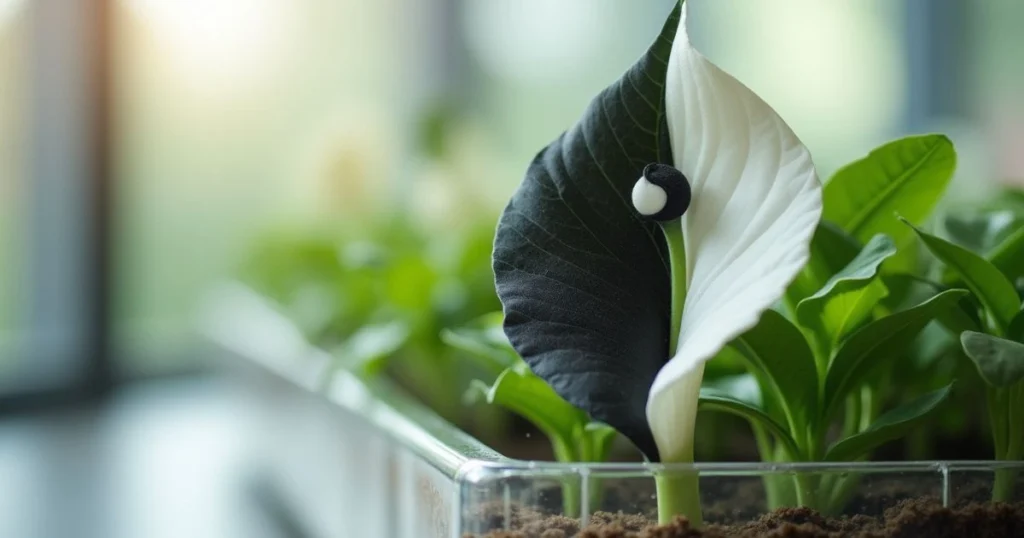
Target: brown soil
[[912, 518]]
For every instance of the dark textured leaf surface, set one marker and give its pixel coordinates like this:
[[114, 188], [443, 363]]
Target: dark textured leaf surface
[[583, 280]]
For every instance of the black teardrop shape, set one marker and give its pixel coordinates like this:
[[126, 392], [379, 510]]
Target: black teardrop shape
[[676, 187]]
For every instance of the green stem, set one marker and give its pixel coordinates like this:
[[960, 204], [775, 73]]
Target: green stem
[[772, 485], [868, 407], [1006, 411], [852, 419], [677, 261], [565, 452], [839, 492], [679, 495], [805, 487]]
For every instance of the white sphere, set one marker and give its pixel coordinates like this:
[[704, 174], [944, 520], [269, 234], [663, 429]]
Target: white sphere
[[648, 198]]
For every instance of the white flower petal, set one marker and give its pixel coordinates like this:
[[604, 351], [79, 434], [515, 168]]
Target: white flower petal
[[756, 203]]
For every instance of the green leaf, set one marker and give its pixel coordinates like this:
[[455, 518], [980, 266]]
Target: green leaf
[[991, 287], [831, 250], [956, 320], [713, 401], [484, 340], [1000, 362], [1008, 256], [778, 356], [1016, 331], [741, 382], [876, 343], [891, 425], [743, 387], [906, 176], [980, 233], [583, 279], [366, 350], [531, 398], [997, 236], [848, 298]]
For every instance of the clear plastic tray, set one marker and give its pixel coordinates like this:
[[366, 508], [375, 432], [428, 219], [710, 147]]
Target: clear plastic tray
[[349, 457]]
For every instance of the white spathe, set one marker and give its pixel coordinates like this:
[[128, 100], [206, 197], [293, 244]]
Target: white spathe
[[756, 204]]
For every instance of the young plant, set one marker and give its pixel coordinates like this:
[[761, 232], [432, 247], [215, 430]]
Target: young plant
[[573, 435], [795, 406], [616, 291], [829, 363], [996, 343]]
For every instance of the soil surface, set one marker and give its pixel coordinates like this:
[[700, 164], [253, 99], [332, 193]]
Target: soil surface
[[912, 518]]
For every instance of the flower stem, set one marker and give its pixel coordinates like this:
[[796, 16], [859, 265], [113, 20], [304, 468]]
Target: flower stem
[[679, 495], [677, 262]]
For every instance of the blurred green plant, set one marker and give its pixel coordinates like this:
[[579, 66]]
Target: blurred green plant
[[377, 296], [573, 435]]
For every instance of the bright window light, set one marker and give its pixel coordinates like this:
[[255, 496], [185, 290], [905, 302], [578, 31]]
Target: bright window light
[[216, 41]]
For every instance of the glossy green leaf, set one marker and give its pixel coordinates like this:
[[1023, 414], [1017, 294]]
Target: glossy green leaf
[[989, 285], [583, 279], [906, 176], [891, 425], [997, 236], [713, 401], [779, 357], [1008, 256], [1000, 361], [832, 249], [874, 344], [849, 297], [484, 340]]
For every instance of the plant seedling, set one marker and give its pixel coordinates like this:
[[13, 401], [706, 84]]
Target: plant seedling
[[617, 290], [573, 435], [997, 347]]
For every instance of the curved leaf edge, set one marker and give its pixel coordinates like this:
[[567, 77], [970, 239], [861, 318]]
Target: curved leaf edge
[[889, 426], [848, 368]]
